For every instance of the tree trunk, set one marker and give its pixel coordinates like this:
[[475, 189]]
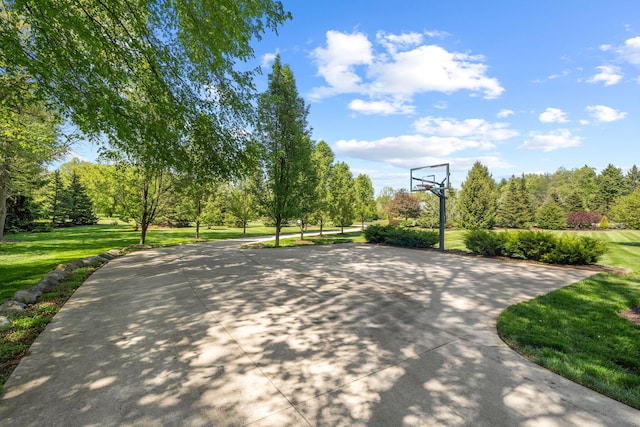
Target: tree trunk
[[143, 233], [198, 212], [301, 230], [3, 205], [244, 228], [321, 225], [278, 224]]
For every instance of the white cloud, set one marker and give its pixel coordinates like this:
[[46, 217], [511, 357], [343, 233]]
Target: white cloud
[[609, 75], [394, 42], [603, 113], [384, 108], [505, 113], [401, 68], [477, 129], [561, 138], [630, 51], [605, 47], [553, 115], [437, 34], [268, 58], [337, 62], [404, 149]]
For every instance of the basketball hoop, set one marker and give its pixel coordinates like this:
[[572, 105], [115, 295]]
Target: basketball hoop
[[427, 187]]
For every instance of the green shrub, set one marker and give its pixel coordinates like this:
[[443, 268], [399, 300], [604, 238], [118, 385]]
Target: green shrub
[[484, 242], [604, 222], [575, 251], [536, 246], [407, 223], [403, 237], [528, 244], [375, 233]]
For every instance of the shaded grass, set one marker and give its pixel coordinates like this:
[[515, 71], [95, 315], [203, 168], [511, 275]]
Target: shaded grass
[[26, 257], [27, 325]]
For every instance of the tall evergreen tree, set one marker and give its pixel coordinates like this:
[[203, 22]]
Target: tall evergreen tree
[[285, 137], [515, 208], [79, 207], [57, 206], [551, 215], [610, 186], [632, 180], [574, 202], [477, 201]]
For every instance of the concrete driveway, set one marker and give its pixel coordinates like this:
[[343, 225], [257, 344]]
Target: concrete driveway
[[207, 334]]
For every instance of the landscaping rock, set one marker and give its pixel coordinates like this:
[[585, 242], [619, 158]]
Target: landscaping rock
[[62, 267], [4, 322], [12, 307], [75, 264], [90, 260], [27, 297]]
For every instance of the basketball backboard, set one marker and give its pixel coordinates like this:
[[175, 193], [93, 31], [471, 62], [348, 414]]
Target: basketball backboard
[[434, 178]]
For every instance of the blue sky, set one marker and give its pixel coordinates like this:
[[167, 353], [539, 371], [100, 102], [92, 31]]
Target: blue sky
[[522, 86]]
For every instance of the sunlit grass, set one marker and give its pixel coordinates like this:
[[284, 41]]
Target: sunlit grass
[[26, 257]]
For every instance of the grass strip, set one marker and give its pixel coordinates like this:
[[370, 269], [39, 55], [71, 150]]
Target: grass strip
[[16, 339]]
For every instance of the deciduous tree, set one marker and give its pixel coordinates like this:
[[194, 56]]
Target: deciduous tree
[[285, 137], [365, 203]]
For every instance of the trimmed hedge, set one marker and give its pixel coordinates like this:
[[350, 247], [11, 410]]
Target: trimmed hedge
[[403, 237], [536, 246]]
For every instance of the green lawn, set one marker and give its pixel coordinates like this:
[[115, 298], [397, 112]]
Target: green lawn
[[26, 257], [577, 331]]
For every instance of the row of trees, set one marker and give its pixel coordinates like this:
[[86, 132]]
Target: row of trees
[[290, 177], [156, 80], [577, 198]]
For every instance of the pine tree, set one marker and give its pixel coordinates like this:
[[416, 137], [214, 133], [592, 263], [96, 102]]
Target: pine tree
[[515, 207], [477, 202], [632, 180], [79, 207], [551, 215], [610, 186], [574, 202]]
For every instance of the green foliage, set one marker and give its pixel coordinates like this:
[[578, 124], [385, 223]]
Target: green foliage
[[284, 133], [342, 196], [551, 216], [577, 332], [484, 242], [78, 205], [365, 205], [536, 246], [515, 207], [627, 210], [610, 185], [527, 244], [604, 222], [477, 200], [403, 237], [164, 55]]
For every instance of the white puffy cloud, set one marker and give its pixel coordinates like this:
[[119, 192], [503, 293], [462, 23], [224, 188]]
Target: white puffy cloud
[[553, 115], [504, 113], [400, 68], [337, 62], [267, 59], [478, 129], [630, 51], [561, 138], [608, 75], [384, 108], [603, 113]]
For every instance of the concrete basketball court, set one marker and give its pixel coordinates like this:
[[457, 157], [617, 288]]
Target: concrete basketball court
[[346, 335]]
